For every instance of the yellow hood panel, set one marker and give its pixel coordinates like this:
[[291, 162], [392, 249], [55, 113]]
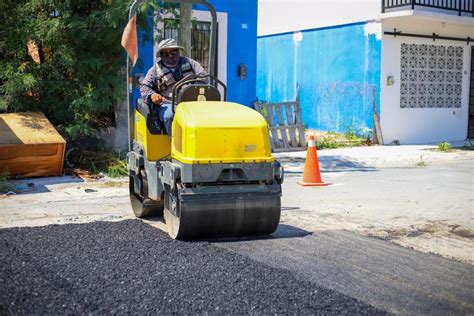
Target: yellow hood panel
[[219, 132]]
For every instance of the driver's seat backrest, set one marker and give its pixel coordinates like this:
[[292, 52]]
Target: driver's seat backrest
[[199, 92]]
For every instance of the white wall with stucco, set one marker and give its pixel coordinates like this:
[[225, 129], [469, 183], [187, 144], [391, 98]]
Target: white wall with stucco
[[281, 16], [422, 125]]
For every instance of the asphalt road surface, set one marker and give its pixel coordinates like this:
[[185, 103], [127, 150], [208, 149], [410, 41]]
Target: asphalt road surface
[[390, 277], [131, 267]]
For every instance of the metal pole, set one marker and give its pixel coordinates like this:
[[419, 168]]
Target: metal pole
[[434, 36], [213, 48]]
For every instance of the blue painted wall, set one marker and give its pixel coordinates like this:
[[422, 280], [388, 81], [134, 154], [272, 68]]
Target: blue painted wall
[[335, 69], [242, 48]]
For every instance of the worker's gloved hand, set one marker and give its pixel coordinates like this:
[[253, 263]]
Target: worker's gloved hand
[[157, 98]]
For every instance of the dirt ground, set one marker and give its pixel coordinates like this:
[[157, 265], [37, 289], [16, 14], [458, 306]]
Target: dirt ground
[[413, 196]]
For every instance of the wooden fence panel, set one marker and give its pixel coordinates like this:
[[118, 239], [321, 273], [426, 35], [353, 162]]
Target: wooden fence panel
[[285, 124]]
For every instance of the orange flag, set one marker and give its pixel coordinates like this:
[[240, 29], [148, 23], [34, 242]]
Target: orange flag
[[129, 39]]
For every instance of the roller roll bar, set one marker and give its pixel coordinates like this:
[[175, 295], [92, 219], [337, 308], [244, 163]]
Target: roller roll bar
[[212, 57]]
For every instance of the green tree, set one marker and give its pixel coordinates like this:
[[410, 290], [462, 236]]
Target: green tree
[[64, 58]]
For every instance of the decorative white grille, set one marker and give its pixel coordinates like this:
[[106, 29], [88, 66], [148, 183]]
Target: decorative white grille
[[431, 76]]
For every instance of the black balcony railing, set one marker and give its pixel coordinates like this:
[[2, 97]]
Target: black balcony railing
[[462, 7]]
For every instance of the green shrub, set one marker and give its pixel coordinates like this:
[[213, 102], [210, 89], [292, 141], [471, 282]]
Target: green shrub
[[4, 185], [421, 163], [327, 143], [98, 160], [444, 147], [467, 146], [352, 134], [331, 139], [117, 169]]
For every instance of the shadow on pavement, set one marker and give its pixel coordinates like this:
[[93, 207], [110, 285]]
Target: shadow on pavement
[[40, 185], [288, 231], [289, 208], [283, 232], [326, 164]]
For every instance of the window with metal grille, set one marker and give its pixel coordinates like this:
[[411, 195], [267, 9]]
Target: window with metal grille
[[430, 76], [200, 39]]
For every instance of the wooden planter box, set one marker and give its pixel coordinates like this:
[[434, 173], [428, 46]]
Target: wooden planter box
[[30, 146]]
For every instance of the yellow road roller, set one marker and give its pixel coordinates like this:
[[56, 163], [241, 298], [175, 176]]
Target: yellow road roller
[[215, 177]]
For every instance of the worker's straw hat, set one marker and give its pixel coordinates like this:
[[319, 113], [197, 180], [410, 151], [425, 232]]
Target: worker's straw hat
[[168, 43]]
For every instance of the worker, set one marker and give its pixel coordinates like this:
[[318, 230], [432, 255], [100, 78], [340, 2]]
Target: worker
[[157, 86]]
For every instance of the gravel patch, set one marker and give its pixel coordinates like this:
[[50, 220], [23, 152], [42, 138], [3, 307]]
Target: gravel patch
[[130, 267]]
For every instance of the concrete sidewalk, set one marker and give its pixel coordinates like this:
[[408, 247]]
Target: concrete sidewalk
[[414, 196], [341, 159]]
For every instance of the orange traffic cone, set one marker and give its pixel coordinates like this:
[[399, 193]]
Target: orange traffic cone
[[312, 174]]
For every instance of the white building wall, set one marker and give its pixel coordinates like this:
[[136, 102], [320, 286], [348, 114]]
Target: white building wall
[[221, 41], [281, 16], [422, 125]]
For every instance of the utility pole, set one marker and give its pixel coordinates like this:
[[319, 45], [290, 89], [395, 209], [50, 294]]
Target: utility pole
[[185, 27]]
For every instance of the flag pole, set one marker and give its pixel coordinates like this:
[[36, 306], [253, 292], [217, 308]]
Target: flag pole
[[131, 109]]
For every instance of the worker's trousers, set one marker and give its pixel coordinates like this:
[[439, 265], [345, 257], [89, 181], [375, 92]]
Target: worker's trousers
[[165, 114]]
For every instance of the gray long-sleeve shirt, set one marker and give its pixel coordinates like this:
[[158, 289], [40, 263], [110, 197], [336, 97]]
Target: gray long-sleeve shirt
[[149, 85]]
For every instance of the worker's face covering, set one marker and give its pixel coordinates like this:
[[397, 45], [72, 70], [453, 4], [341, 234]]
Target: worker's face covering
[[171, 60]]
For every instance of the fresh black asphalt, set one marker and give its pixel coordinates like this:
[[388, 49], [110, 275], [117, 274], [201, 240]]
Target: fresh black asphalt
[[387, 276], [130, 267]]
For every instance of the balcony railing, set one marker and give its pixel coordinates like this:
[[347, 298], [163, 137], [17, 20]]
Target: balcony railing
[[461, 7]]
